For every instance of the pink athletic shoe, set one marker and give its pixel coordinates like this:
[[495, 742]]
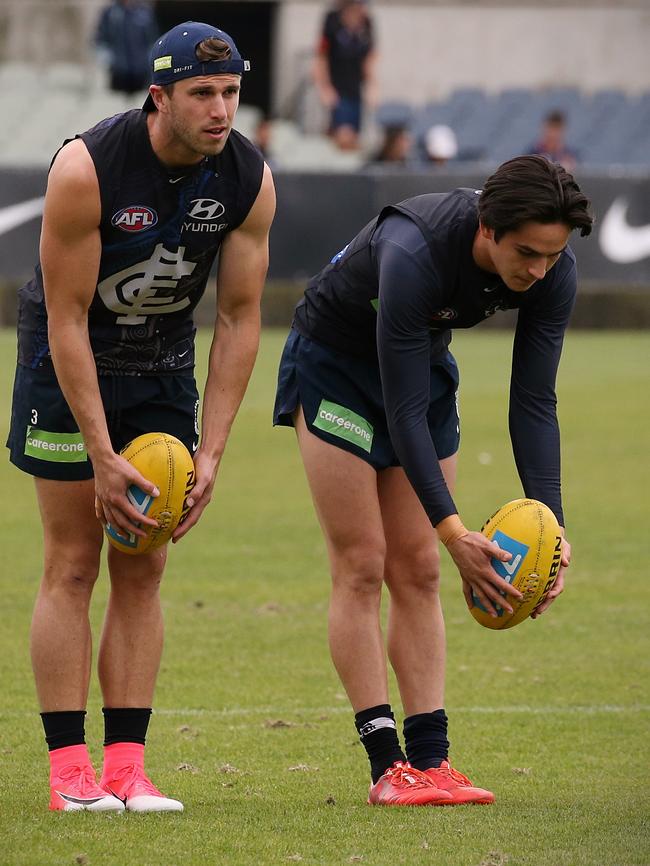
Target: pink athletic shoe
[[403, 785], [73, 785], [125, 778], [458, 786]]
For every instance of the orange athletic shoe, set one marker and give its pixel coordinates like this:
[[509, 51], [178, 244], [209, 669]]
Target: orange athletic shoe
[[74, 788], [403, 785], [458, 786], [125, 778]]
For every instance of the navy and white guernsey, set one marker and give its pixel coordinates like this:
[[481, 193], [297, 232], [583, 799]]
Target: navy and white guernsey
[[160, 233], [393, 296]]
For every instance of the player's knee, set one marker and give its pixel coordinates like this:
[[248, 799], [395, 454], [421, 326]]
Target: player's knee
[[137, 574], [360, 569], [415, 569], [72, 571]]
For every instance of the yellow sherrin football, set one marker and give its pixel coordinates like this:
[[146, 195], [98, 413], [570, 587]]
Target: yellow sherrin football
[[166, 462], [528, 530]]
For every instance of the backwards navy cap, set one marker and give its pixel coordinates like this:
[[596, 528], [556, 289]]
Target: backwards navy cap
[[173, 56]]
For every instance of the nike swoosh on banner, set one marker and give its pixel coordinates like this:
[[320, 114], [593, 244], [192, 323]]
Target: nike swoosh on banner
[[619, 241], [16, 214]]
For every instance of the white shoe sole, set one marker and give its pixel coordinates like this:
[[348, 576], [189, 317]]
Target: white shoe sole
[[145, 803]]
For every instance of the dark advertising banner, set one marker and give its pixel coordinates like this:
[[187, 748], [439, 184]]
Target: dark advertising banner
[[319, 213]]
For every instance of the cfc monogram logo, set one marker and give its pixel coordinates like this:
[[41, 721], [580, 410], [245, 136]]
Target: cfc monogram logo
[[147, 288]]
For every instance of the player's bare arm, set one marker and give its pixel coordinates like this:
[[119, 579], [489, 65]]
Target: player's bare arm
[[70, 254], [370, 85], [320, 72], [243, 264]]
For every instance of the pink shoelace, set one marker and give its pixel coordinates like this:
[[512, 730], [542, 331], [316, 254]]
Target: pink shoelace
[[405, 776], [130, 775], [458, 777], [83, 778]]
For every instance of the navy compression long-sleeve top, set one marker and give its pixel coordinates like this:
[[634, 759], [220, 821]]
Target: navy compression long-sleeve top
[[395, 291]]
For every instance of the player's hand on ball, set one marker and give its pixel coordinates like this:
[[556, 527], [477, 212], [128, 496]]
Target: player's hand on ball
[[113, 476], [206, 473], [558, 586], [472, 554]]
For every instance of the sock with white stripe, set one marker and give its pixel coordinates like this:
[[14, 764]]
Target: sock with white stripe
[[378, 735]]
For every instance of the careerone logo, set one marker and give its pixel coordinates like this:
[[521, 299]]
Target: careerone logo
[[55, 447], [340, 421], [135, 218]]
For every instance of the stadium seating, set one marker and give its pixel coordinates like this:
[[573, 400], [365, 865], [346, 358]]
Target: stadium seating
[[605, 128], [608, 127]]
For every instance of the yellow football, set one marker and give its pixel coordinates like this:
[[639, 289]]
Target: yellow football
[[529, 531], [166, 462]]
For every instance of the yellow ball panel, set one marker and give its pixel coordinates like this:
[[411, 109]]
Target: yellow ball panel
[[166, 462], [529, 531]]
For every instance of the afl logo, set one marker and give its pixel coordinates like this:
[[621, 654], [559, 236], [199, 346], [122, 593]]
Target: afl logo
[[206, 209], [135, 218]]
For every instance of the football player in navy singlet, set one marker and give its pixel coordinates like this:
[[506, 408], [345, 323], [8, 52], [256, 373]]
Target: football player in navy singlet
[[368, 381], [136, 210]]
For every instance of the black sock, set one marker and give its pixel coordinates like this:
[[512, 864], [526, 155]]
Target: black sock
[[378, 734], [425, 735], [125, 725], [65, 728]]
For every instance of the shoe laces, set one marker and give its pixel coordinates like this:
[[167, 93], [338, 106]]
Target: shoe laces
[[83, 777], [405, 776], [449, 771], [132, 774]]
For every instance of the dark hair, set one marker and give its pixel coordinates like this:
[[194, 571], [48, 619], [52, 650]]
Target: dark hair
[[209, 49], [532, 189], [213, 48], [555, 117], [392, 134]]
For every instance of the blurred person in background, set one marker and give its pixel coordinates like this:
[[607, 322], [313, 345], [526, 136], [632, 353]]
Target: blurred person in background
[[552, 141], [395, 147], [368, 382], [344, 70], [440, 144], [263, 136], [125, 27], [136, 210]]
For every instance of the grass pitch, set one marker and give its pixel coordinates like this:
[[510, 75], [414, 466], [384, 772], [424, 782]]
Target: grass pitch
[[252, 730]]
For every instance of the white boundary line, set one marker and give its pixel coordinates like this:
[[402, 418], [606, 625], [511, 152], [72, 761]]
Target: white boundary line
[[524, 709], [288, 712]]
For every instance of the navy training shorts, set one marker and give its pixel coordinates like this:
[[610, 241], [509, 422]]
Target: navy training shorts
[[343, 404], [44, 439]]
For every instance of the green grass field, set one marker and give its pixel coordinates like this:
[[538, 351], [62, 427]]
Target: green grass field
[[252, 730]]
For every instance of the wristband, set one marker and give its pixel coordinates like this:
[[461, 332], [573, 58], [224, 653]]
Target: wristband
[[451, 529]]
